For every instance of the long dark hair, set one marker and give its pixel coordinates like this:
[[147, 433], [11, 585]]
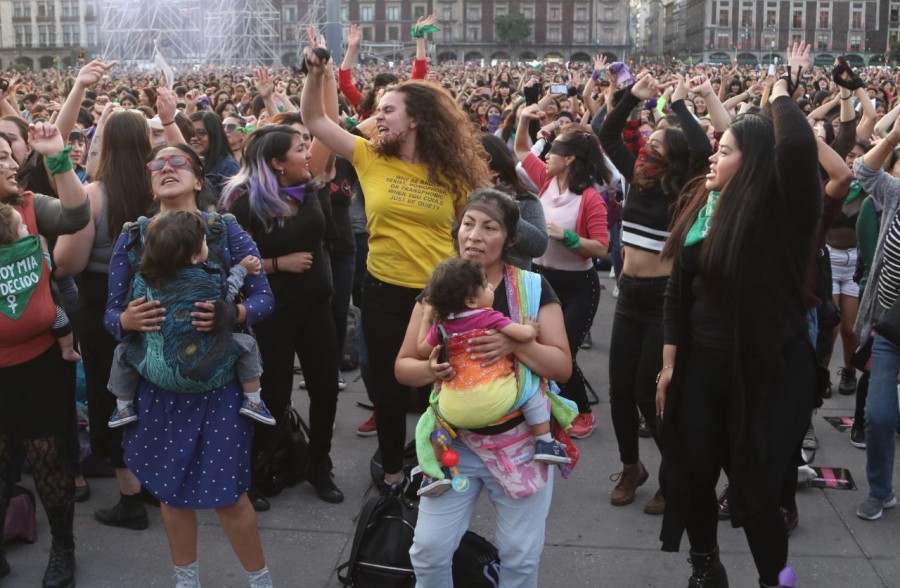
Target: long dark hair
[[670, 171], [126, 146], [588, 167], [740, 203], [218, 142], [501, 161]]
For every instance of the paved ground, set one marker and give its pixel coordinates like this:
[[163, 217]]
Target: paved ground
[[589, 543]]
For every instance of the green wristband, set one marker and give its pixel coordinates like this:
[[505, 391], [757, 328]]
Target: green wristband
[[59, 163], [570, 239]]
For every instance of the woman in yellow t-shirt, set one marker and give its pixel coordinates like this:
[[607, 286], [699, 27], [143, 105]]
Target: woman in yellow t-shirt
[[425, 157]]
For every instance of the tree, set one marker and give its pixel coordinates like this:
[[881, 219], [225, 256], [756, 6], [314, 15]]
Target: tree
[[513, 28], [894, 53]]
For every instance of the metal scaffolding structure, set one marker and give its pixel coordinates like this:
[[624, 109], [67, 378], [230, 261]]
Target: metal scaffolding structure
[[132, 28], [241, 32]]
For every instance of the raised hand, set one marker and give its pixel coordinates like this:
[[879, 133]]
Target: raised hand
[[700, 85], [93, 72], [531, 112], [354, 36], [263, 82], [645, 88], [46, 139], [426, 21], [798, 55], [600, 63], [681, 89], [167, 103]]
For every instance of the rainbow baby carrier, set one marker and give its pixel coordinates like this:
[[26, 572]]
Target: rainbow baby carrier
[[523, 292]]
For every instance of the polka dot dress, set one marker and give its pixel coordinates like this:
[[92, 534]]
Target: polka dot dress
[[190, 450]]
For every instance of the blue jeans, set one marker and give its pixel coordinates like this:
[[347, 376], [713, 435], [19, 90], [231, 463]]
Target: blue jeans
[[881, 417], [444, 520]]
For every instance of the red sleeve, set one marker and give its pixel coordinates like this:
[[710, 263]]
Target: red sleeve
[[348, 88], [536, 170], [593, 218], [420, 69]]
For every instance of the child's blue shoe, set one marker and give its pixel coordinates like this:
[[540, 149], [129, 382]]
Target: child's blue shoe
[[550, 452], [257, 412], [123, 416], [433, 487]]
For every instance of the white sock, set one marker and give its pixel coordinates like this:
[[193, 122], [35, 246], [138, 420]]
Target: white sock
[[187, 576], [260, 578], [254, 396], [121, 404], [545, 437]]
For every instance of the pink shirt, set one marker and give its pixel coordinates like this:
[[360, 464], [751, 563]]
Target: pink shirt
[[469, 320]]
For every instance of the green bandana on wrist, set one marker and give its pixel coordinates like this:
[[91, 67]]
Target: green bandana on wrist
[[59, 163], [570, 239], [419, 32], [701, 226]]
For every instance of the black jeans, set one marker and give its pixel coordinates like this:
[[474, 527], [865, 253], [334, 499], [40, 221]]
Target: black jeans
[[342, 263], [702, 426], [386, 309], [308, 333], [635, 358], [97, 348], [579, 294]]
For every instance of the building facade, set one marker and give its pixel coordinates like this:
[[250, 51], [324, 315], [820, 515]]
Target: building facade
[[756, 31], [41, 33]]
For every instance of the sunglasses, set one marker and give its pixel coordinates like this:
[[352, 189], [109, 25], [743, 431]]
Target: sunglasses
[[175, 161]]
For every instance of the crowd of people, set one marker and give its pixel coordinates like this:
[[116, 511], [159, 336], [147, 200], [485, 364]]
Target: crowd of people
[[206, 237]]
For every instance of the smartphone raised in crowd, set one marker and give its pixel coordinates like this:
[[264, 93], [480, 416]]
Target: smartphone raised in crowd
[[559, 89]]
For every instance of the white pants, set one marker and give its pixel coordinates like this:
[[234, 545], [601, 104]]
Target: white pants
[[444, 520]]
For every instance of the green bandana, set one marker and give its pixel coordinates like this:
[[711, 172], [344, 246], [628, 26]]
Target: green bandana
[[21, 264], [419, 32], [701, 226], [855, 191]]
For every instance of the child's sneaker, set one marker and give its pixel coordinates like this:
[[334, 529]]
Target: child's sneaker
[[550, 452], [433, 487], [123, 417], [257, 412]]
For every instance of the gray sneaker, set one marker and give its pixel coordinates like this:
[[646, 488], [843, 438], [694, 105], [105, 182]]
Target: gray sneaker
[[809, 440], [872, 508]]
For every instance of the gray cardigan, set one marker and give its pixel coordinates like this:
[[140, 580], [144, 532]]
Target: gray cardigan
[[531, 235], [886, 188]]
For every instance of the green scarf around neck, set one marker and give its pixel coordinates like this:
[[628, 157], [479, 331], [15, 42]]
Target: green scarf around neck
[[701, 226]]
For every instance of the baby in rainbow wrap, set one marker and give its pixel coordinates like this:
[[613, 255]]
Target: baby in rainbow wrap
[[478, 396]]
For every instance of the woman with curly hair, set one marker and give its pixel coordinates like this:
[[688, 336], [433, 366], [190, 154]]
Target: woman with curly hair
[[425, 158]]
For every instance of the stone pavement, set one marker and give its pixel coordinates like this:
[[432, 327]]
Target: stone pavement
[[589, 543]]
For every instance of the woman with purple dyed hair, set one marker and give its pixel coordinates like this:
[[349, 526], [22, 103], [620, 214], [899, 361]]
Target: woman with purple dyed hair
[[275, 201]]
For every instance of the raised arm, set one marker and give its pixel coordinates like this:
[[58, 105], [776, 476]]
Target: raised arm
[[420, 64], [345, 73], [320, 154], [867, 122], [796, 156], [166, 103], [611, 131], [89, 75], [312, 106], [867, 168], [521, 146], [839, 175]]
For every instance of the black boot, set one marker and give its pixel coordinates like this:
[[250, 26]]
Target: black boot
[[129, 512], [61, 567], [708, 571], [319, 474]]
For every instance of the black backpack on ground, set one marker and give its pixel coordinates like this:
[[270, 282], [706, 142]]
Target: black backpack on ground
[[283, 461]]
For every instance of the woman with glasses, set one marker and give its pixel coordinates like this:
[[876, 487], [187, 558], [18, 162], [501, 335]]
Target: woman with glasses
[[668, 160], [211, 144], [191, 450]]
